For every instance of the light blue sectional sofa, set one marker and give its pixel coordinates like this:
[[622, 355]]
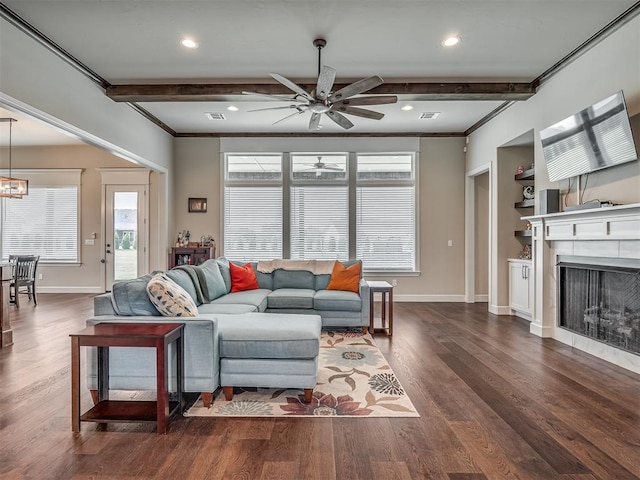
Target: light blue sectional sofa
[[282, 320]]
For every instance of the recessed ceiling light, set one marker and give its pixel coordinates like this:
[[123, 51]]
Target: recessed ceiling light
[[232, 108], [451, 41], [406, 108], [189, 42]]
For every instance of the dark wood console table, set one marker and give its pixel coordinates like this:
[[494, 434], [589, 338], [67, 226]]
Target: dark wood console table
[[105, 335]]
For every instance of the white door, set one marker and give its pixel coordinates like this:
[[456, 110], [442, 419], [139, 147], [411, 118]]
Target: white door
[[125, 243]]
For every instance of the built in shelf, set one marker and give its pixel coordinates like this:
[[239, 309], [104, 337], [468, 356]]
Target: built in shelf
[[526, 175], [523, 233], [531, 202]]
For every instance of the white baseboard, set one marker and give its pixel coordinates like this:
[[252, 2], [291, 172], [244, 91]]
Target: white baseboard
[[481, 298], [540, 331], [524, 316], [500, 309], [78, 289], [428, 298]]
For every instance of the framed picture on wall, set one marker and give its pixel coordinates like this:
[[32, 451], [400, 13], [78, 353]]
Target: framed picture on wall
[[198, 205]]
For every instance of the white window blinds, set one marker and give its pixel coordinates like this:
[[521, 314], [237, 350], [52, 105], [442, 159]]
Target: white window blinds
[[43, 223], [385, 227], [320, 222], [253, 223]]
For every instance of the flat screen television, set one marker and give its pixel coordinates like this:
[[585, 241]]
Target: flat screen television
[[597, 137]]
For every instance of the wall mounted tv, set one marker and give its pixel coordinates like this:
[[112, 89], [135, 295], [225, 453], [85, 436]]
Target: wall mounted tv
[[597, 137]]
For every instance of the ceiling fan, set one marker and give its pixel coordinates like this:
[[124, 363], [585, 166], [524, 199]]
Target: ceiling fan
[[320, 167], [323, 100]]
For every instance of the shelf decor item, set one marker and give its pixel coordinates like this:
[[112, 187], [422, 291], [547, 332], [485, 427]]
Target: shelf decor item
[[197, 205]]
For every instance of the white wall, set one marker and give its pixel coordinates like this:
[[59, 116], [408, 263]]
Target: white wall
[[35, 79], [612, 65]]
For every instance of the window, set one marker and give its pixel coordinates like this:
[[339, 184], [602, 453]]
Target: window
[[308, 206], [386, 212], [319, 207], [253, 207], [44, 223]]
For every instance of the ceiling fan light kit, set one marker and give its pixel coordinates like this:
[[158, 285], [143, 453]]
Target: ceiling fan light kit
[[323, 101]]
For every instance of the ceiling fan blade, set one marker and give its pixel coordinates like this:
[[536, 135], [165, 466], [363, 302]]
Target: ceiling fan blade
[[372, 100], [356, 88], [288, 116], [341, 120], [337, 169], [314, 123], [289, 84], [325, 82], [360, 112], [276, 108], [275, 97]]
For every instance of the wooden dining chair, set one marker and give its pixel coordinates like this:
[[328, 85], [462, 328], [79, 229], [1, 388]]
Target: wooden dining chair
[[24, 278]]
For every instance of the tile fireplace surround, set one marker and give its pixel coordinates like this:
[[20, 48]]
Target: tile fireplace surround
[[612, 232]]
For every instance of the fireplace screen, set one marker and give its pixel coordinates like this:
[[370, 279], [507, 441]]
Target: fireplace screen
[[601, 302]]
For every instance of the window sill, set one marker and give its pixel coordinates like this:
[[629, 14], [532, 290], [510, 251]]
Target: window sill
[[395, 273]]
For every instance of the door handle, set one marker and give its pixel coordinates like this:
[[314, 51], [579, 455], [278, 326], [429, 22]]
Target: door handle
[[102, 260]]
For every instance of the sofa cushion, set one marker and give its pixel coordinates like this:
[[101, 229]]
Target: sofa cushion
[[265, 280], [226, 308], [169, 298], [345, 278], [322, 281], [130, 297], [214, 283], [337, 300], [223, 263], [257, 298], [183, 278], [291, 298], [243, 278], [293, 279], [266, 335]]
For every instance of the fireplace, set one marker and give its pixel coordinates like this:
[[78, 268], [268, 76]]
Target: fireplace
[[599, 298]]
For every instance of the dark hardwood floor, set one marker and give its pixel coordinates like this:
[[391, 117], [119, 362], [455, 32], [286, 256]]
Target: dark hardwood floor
[[495, 402]]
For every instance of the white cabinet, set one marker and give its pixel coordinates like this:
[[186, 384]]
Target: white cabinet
[[521, 287]]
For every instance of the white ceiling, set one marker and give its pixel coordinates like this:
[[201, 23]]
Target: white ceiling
[[400, 40]]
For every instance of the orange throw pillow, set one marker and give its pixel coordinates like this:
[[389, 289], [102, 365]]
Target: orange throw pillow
[[242, 278], [343, 278]]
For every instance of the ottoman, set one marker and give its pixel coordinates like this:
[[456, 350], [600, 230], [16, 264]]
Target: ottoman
[[269, 350]]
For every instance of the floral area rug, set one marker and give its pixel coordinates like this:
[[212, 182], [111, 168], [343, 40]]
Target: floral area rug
[[354, 380]]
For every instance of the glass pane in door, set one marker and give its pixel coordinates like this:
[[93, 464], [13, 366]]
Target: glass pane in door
[[125, 235]]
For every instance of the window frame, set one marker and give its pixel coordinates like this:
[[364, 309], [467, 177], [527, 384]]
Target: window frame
[[350, 181]]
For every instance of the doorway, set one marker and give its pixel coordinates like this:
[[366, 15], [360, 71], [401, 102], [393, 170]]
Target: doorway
[[481, 240]]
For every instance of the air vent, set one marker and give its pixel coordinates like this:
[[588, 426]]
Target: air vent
[[215, 116], [429, 115]]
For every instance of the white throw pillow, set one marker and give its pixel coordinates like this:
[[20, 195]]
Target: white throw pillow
[[169, 298]]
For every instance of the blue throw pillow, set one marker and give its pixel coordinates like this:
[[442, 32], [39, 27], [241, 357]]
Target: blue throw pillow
[[215, 284]]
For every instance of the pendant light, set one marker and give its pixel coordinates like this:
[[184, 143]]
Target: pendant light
[[12, 187]]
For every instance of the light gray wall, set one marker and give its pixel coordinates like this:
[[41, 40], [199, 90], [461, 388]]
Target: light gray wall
[[611, 65], [35, 80], [441, 210], [197, 175], [481, 234]]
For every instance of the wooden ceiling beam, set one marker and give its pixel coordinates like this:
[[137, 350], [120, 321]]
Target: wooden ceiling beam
[[212, 92]]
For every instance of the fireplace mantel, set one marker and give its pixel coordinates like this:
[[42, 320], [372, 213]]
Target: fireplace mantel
[[621, 222], [610, 232]]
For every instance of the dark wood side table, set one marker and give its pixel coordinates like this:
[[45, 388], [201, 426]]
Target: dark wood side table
[[105, 335], [386, 289]]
